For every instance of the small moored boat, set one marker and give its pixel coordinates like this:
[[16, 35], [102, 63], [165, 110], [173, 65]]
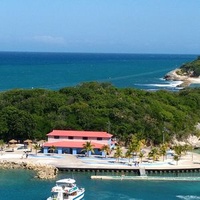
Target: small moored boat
[[66, 189]]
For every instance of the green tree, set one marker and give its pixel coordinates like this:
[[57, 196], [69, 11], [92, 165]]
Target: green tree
[[18, 124], [52, 149], [176, 158], [88, 147], [89, 106], [2, 145], [163, 150], [154, 154], [37, 147], [178, 149], [118, 153], [129, 154], [106, 149], [141, 155]]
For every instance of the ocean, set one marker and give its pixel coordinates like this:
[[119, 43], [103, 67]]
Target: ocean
[[20, 185], [57, 70]]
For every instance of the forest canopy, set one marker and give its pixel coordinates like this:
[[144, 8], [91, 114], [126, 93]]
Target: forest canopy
[[191, 68], [100, 107]]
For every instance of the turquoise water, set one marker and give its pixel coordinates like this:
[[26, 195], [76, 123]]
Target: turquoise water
[[197, 151], [58, 70], [44, 156], [20, 185]]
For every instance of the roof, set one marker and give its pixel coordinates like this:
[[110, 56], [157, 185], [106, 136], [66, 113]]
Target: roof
[[79, 133], [72, 144], [69, 180]]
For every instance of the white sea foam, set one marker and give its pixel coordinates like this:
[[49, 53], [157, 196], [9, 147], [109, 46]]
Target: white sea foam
[[188, 197], [171, 84]]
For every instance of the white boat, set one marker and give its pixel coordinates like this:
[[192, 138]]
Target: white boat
[[66, 189]]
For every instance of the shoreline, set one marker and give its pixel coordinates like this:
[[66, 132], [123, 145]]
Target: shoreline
[[186, 80], [72, 163]]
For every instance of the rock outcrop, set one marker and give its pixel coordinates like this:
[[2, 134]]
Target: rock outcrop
[[174, 76], [191, 140], [43, 171]]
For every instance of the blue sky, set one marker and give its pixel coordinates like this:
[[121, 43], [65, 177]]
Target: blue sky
[[108, 26]]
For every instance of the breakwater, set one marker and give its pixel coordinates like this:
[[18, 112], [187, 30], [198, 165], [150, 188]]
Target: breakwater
[[174, 172], [146, 178], [43, 171]]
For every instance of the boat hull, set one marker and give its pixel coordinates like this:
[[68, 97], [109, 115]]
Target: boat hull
[[79, 196]]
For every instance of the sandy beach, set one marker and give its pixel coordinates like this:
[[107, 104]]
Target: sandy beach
[[186, 80]]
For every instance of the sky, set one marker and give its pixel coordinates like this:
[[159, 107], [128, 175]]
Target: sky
[[100, 26]]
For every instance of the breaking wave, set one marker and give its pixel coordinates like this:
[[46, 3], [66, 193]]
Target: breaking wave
[[188, 197]]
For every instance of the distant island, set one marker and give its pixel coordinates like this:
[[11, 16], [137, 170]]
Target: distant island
[[189, 73]]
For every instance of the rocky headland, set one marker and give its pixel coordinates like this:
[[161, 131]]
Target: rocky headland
[[187, 79], [43, 171], [188, 73]]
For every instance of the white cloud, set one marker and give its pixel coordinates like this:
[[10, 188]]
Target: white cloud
[[49, 39]]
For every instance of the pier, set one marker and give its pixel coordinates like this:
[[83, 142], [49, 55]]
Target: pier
[[146, 178], [137, 171]]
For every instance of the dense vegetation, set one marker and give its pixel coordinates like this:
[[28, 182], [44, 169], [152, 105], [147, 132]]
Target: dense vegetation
[[192, 68], [101, 107]]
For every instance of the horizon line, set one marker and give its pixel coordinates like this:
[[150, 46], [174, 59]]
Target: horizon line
[[114, 53]]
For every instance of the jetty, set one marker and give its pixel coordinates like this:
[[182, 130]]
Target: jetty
[[146, 178]]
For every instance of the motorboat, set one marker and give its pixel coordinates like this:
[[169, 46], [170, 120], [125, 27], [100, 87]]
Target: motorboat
[[66, 189]]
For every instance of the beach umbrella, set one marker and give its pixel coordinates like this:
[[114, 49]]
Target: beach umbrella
[[12, 141], [28, 141], [41, 142]]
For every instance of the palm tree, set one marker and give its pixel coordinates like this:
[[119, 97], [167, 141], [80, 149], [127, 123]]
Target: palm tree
[[178, 150], [176, 158], [141, 156], [163, 150], [154, 154], [30, 146], [128, 154], [88, 147], [134, 145], [106, 149], [52, 149], [191, 148], [186, 148], [2, 144], [141, 144], [36, 147], [118, 153]]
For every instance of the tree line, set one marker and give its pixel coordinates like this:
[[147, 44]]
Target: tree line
[[100, 107], [191, 68]]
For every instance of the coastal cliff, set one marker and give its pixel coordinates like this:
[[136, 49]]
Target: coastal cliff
[[42, 171], [188, 73]]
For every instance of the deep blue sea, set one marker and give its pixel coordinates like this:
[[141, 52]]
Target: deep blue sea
[[20, 185], [58, 70]]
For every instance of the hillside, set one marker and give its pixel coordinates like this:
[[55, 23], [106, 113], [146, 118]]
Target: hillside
[[191, 69], [99, 106]]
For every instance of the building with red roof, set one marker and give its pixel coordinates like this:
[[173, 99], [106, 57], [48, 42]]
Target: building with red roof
[[71, 141]]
